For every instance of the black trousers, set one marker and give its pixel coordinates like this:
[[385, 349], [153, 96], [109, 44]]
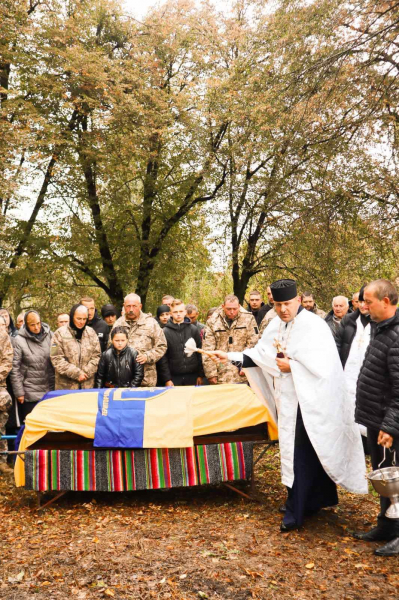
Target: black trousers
[[312, 489], [25, 409], [377, 454], [186, 379]]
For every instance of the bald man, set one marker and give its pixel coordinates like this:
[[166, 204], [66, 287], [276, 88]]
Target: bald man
[[144, 335], [340, 306]]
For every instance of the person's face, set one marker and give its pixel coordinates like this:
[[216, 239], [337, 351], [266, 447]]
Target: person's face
[[377, 308], [132, 309], [62, 320], [363, 308], [91, 307], [20, 322], [33, 323], [3, 325], [255, 301], [308, 302], [110, 319], [164, 317], [193, 316], [231, 309], [178, 313], [340, 308], [270, 296], [287, 310], [355, 301], [119, 341], [167, 300], [6, 317], [80, 318]]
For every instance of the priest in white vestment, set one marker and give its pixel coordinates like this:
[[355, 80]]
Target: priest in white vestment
[[296, 369], [352, 338]]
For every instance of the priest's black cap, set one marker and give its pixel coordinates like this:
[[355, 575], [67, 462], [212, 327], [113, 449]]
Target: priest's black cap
[[283, 290]]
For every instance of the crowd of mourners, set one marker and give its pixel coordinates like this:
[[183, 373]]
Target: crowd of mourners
[[136, 349], [350, 362]]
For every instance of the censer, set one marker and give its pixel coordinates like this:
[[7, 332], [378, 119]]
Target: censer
[[386, 483]]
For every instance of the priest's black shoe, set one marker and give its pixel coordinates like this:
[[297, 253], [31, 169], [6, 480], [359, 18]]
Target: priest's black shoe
[[390, 549], [374, 535], [286, 528]]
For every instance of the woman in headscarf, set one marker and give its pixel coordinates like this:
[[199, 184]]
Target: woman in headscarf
[[11, 329], [32, 373], [75, 352]]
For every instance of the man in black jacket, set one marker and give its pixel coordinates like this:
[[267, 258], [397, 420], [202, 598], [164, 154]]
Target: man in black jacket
[[178, 368], [377, 399], [96, 323], [340, 306], [257, 307]]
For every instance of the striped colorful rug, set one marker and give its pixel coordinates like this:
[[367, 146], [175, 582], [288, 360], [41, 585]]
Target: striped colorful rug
[[127, 470]]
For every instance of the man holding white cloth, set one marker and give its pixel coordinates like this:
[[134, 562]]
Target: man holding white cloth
[[295, 368]]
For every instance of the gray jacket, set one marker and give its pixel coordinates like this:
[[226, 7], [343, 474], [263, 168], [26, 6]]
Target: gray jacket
[[32, 373]]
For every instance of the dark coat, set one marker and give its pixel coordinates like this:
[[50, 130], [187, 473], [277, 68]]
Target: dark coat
[[178, 363], [333, 325], [260, 313], [345, 334], [102, 330], [119, 370], [377, 394], [32, 373]]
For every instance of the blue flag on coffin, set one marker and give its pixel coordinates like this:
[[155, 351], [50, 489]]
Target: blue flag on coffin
[[120, 420]]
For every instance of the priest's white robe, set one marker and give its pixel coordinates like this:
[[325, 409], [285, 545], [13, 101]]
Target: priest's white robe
[[354, 362], [316, 384]]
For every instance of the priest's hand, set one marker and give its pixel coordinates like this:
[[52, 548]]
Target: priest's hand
[[284, 364], [218, 356], [384, 439]]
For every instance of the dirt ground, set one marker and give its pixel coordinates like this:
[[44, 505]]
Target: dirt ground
[[186, 544]]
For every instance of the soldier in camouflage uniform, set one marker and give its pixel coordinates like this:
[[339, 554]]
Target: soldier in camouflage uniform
[[307, 301], [266, 320], [75, 353], [6, 355], [231, 328], [145, 336]]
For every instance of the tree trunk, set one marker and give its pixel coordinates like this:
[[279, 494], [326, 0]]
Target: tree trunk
[[27, 230], [114, 287]]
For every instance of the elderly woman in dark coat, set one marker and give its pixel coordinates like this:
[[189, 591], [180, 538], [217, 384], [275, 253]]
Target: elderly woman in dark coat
[[32, 373]]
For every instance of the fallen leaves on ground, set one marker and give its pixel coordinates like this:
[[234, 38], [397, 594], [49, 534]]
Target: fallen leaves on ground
[[186, 544]]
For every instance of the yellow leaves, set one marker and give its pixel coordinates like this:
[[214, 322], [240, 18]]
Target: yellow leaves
[[349, 551], [309, 565], [253, 574], [96, 540], [109, 592]]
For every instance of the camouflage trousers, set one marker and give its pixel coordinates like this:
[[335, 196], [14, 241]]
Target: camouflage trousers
[[5, 404]]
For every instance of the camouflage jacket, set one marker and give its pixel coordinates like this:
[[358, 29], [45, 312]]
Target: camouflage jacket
[[220, 335], [266, 320], [71, 358], [6, 355], [145, 336], [317, 311]]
